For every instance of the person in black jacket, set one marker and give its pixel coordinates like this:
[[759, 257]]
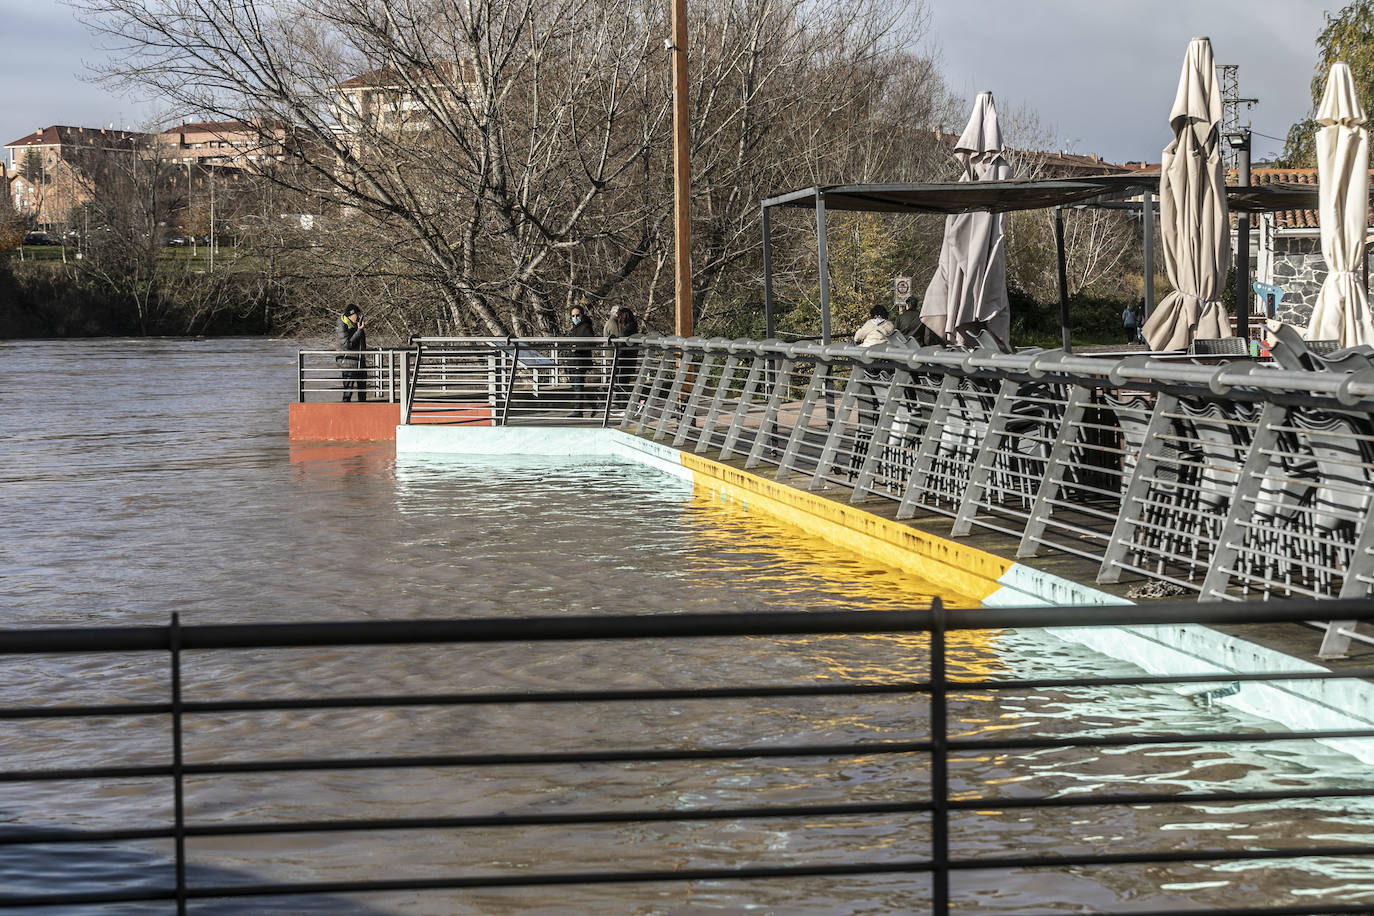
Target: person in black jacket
[[580, 360], [349, 335], [627, 364]]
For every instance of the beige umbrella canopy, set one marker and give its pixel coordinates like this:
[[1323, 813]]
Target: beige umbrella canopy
[[1342, 310], [969, 289], [1192, 211]]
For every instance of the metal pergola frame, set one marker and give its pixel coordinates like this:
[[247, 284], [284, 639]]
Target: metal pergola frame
[[1102, 191]]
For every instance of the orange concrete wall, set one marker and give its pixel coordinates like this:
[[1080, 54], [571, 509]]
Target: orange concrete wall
[[367, 422], [344, 422]]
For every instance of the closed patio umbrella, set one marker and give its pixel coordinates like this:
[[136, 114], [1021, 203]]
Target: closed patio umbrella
[[1342, 309], [969, 289], [1192, 211]]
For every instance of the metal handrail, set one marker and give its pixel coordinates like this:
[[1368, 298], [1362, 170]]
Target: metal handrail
[[177, 640], [1042, 446]]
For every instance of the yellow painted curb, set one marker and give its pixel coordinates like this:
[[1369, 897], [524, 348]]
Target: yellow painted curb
[[950, 566]]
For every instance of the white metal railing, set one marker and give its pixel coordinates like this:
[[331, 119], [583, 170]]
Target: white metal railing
[[1234, 480], [333, 375]]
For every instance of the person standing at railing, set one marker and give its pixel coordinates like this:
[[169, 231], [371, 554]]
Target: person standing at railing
[[580, 360], [612, 326], [909, 321], [349, 334], [627, 363], [876, 330]]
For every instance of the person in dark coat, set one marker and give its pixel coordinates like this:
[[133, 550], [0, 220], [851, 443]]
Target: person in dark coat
[[627, 365], [909, 321], [349, 335], [580, 359]]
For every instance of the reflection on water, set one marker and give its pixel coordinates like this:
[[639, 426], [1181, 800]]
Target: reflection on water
[[156, 478]]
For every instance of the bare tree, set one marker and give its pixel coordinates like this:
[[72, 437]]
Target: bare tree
[[508, 158]]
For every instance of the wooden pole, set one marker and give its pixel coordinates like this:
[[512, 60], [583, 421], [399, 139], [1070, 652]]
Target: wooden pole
[[682, 173]]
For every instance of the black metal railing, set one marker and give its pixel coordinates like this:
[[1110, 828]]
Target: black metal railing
[[939, 808]]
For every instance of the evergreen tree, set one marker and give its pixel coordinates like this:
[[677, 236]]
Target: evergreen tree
[[1349, 37]]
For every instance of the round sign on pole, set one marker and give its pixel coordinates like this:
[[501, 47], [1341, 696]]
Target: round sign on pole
[[901, 288]]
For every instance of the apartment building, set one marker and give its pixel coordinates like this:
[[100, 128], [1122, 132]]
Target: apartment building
[[247, 145], [51, 170]]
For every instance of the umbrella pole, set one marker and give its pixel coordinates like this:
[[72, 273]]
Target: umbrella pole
[[1148, 211], [1063, 278], [823, 257], [1241, 144], [767, 276]]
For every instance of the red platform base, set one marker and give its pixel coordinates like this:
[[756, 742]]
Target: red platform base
[[344, 422], [367, 422]]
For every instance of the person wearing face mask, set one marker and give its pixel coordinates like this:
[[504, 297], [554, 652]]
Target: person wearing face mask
[[580, 359]]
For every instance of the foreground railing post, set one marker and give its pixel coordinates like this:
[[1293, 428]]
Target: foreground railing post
[[713, 412], [637, 390], [664, 358], [178, 782], [300, 376], [939, 765]]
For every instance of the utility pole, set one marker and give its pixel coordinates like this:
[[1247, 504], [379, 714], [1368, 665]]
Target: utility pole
[[682, 171], [1230, 110]]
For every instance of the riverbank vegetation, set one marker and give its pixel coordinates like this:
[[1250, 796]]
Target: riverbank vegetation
[[478, 168]]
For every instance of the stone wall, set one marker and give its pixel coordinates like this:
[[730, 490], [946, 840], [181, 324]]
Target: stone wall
[[1300, 269]]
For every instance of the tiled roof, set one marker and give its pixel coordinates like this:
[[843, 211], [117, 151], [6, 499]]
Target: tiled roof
[[224, 127], [1289, 219], [60, 134], [1296, 219]]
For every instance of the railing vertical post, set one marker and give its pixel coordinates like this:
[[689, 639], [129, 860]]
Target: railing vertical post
[[708, 423], [406, 386], [1244, 504], [917, 482], [674, 401], [742, 408], [1061, 452], [300, 376], [510, 385], [1138, 489], [882, 426], [391, 376], [689, 413], [637, 390], [990, 451], [610, 384], [178, 782], [858, 375], [665, 357], [788, 463], [767, 437], [939, 764]]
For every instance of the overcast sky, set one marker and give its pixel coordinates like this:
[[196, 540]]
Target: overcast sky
[[1098, 74]]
